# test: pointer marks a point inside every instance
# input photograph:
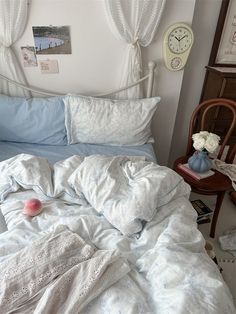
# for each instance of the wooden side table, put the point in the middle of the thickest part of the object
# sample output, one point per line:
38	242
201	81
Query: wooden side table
216	184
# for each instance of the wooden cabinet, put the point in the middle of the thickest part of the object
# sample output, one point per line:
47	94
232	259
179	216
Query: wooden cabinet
220	82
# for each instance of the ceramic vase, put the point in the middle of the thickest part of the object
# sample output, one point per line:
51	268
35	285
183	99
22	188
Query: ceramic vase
200	162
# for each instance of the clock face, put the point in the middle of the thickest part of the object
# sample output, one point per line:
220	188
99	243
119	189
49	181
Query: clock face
180	40
176	63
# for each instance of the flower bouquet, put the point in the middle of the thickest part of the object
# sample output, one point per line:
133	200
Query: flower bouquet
204	142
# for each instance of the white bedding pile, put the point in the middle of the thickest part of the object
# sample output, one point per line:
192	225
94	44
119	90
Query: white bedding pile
169	270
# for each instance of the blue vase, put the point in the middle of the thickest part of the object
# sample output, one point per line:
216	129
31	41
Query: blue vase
200	162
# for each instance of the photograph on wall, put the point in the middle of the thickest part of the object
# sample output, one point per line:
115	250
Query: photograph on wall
226	53
52	39
29	56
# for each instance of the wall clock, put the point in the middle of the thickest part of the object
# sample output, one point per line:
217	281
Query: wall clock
177	44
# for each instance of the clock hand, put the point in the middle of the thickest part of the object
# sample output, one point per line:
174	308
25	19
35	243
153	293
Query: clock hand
177	38
183	37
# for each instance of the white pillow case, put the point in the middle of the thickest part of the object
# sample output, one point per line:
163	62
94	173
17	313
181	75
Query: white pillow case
106	121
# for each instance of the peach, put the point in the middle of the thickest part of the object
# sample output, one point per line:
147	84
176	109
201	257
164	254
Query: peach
32	207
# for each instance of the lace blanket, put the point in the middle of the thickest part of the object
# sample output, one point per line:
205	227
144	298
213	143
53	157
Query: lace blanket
227	169
58	273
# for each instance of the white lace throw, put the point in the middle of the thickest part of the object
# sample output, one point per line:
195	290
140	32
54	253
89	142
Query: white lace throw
227	169
135	22
13	18
58	273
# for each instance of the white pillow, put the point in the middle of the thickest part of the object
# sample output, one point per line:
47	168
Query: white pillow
106	121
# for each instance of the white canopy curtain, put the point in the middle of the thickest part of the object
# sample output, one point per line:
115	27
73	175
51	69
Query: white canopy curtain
13	18
136	22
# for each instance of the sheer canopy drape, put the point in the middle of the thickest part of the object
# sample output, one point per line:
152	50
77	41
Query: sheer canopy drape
136	22
13	18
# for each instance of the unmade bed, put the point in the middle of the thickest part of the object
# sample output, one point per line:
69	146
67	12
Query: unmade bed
116	234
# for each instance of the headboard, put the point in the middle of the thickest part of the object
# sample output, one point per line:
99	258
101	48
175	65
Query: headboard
149	78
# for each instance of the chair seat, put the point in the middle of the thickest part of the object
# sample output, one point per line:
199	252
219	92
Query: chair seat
208	186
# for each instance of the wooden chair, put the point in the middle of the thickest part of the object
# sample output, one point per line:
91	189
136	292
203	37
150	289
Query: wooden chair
208	117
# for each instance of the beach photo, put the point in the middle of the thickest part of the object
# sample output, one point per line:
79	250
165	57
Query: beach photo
52	39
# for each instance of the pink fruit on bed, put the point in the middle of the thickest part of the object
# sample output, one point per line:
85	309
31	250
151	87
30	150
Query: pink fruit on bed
32	207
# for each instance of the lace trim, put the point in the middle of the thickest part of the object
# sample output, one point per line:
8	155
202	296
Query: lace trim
45	278
40	257
99	266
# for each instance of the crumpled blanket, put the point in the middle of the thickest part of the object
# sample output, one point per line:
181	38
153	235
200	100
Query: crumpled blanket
170	269
115	186
58	273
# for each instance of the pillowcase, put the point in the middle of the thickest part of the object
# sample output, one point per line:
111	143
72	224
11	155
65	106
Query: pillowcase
106	121
32	120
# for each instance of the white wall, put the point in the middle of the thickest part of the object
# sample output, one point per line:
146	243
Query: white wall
97	56
204	25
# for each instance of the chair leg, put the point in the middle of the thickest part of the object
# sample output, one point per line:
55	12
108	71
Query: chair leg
219	200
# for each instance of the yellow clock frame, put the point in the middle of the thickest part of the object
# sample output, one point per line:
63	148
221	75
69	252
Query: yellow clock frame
175	57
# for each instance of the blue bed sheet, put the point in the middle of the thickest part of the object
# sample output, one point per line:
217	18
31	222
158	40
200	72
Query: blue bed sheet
56	153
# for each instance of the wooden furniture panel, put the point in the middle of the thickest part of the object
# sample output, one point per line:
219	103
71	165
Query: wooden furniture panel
228	89
219	82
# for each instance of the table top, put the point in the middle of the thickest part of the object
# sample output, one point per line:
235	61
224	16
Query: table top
210	185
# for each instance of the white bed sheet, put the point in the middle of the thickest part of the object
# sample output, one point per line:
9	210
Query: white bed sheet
170	270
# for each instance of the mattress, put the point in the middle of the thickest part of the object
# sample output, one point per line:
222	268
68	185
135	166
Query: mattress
56	153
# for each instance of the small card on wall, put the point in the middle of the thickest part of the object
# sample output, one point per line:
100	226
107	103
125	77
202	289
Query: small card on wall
48	66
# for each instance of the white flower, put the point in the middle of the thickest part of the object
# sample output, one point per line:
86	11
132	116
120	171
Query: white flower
205	140
212	142
199	143
204	134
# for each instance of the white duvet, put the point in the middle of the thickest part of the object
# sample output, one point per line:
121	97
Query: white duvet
124	205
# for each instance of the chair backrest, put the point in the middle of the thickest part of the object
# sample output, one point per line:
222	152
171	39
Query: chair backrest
210	115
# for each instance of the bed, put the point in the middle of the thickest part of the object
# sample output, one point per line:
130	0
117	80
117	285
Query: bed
116	234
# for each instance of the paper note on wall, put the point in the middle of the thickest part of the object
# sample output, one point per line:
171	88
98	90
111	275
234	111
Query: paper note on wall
49	66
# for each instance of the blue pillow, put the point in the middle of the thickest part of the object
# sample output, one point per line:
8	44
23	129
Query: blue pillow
32	120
